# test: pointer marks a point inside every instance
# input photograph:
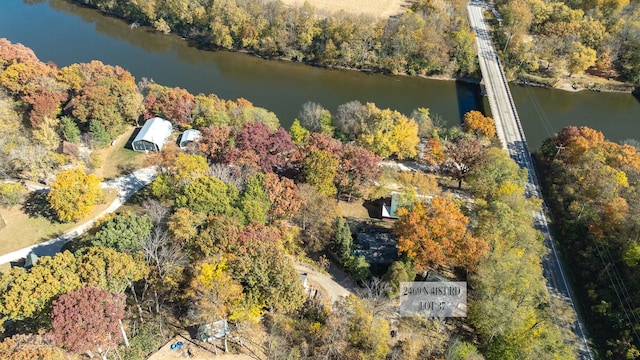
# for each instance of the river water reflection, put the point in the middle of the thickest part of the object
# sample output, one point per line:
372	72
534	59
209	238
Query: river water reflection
64	33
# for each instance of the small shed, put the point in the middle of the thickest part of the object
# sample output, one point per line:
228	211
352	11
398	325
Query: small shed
153	135
215	330
189	136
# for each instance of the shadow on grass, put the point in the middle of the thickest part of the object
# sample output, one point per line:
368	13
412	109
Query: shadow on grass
35	204
126	169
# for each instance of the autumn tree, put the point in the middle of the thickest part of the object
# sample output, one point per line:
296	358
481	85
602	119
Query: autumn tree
73	194
283	195
357	169
214	292
479	124
460	157
27	295
320	169
435	233
110	270
174	104
87	320
264	270
30	346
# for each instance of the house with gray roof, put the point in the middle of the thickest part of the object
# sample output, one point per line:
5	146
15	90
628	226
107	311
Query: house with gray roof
153	135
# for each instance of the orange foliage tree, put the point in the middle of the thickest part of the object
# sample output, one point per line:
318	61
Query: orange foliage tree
479	124
435	233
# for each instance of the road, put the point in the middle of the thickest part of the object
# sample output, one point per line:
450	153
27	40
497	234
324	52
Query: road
510	132
126	185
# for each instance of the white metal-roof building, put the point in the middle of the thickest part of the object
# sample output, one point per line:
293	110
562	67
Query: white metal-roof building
153	135
188	136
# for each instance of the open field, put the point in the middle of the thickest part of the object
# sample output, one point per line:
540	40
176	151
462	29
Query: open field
23	230
375	8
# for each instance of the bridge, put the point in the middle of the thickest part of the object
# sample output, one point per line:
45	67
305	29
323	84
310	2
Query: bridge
511	135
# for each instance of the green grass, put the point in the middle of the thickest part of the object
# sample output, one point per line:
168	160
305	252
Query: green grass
23	230
118	160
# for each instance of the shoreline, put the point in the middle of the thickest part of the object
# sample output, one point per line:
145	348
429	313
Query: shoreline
602	85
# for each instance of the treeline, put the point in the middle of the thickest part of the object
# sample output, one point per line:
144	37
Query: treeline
511	310
432	38
592	186
559	38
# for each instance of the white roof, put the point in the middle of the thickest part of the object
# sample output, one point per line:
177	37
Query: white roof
155	130
189	135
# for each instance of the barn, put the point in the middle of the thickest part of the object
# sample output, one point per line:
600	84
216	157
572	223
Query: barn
153	135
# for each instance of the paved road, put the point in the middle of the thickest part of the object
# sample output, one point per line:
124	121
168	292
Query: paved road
126	185
513	140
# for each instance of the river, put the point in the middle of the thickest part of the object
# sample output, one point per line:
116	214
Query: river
64	33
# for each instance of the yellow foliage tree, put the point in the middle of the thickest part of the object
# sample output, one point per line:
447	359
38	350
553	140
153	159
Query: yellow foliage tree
73	194
479	124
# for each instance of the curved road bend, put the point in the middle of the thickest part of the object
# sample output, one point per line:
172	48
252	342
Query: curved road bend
513	140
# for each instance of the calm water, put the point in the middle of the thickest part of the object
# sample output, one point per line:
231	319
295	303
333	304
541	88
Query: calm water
64	33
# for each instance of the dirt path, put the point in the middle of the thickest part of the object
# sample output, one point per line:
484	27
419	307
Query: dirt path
336	283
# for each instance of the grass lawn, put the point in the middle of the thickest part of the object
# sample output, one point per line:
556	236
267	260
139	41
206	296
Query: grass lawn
354	209
22	230
117	159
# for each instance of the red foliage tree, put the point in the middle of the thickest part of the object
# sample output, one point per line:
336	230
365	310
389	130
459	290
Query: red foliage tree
357	167
269	149
214	141
87	320
174	104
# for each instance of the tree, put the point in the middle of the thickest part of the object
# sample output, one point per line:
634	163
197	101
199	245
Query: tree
73	194
283	195
398	272
298	133
110	270
435	233
183	224
499	176
581	58
254	202
31	346
208	194
460	157
316	217
316	118
342	239
479	124
425	125
264	270
358	168
27	295
320	169
87	320
124	232
214	291
69	130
